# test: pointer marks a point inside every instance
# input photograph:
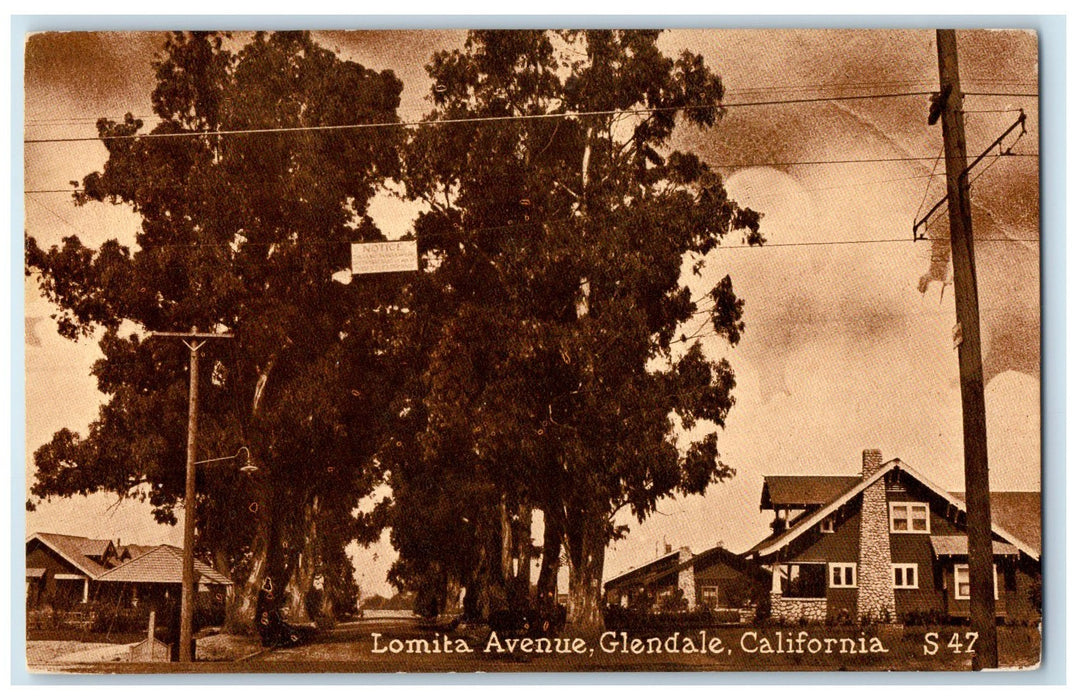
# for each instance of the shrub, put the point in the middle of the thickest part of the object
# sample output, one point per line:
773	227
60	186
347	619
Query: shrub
924	618
628	620
112	617
762	611
842	617
1035	595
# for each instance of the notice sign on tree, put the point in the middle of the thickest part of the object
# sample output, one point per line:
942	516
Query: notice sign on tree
384	256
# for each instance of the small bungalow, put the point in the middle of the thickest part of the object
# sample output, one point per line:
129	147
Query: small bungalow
715	579
652	585
889	545
157	575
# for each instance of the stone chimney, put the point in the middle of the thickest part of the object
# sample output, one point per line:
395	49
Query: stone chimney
872	460
875	586
686	577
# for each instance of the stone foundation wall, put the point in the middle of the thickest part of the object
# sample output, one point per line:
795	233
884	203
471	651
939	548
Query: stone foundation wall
797	609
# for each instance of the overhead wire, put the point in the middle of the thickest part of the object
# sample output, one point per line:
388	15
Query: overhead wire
495	118
745	164
50	210
90	119
927	186
848	161
1003	152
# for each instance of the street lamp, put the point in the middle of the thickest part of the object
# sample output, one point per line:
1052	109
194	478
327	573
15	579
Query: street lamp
249	467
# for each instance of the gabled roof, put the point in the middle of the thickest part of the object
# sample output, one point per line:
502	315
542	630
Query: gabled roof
70	548
162	564
133	550
803	491
94	548
720	554
670	563
656	568
774	543
1019	513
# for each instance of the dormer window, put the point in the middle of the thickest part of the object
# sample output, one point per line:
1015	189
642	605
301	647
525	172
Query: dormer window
909	517
827	524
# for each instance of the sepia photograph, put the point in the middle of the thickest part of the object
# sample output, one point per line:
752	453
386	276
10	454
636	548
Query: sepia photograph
532	351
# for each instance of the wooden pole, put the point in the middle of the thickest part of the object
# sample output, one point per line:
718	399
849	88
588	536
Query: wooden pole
186	641
187	585
149	632
970	362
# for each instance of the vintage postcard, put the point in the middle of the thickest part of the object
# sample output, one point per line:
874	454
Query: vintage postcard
532	351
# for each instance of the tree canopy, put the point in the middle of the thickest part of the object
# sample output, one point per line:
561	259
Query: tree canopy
240	233
539	361
547	326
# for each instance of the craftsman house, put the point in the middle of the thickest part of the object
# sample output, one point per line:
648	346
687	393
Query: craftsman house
65	572
715	579
889	545
61	568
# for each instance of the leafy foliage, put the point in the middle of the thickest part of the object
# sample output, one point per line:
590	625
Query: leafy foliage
244	233
555	232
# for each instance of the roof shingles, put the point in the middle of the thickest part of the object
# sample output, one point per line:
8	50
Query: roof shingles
163	564
71	548
801	491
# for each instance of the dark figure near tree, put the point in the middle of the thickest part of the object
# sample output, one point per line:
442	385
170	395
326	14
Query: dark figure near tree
273	628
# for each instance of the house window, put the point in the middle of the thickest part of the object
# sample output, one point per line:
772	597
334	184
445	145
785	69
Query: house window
803	580
709	597
905	576
827	524
909	517
961	581
842	575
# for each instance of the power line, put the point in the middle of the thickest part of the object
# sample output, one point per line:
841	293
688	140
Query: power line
479	120
746	164
857	241
58	216
927	186
88	119
1001	94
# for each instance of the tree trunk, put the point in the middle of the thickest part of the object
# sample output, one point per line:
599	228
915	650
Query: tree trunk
506	531
587	552
473	599
221	562
521	535
326	610
452	596
241	613
240	618
546	588
491	589
301	577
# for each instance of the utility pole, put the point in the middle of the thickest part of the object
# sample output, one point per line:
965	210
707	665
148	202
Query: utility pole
970	362
194	342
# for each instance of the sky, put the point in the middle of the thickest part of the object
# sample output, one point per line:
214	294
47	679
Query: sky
848	342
